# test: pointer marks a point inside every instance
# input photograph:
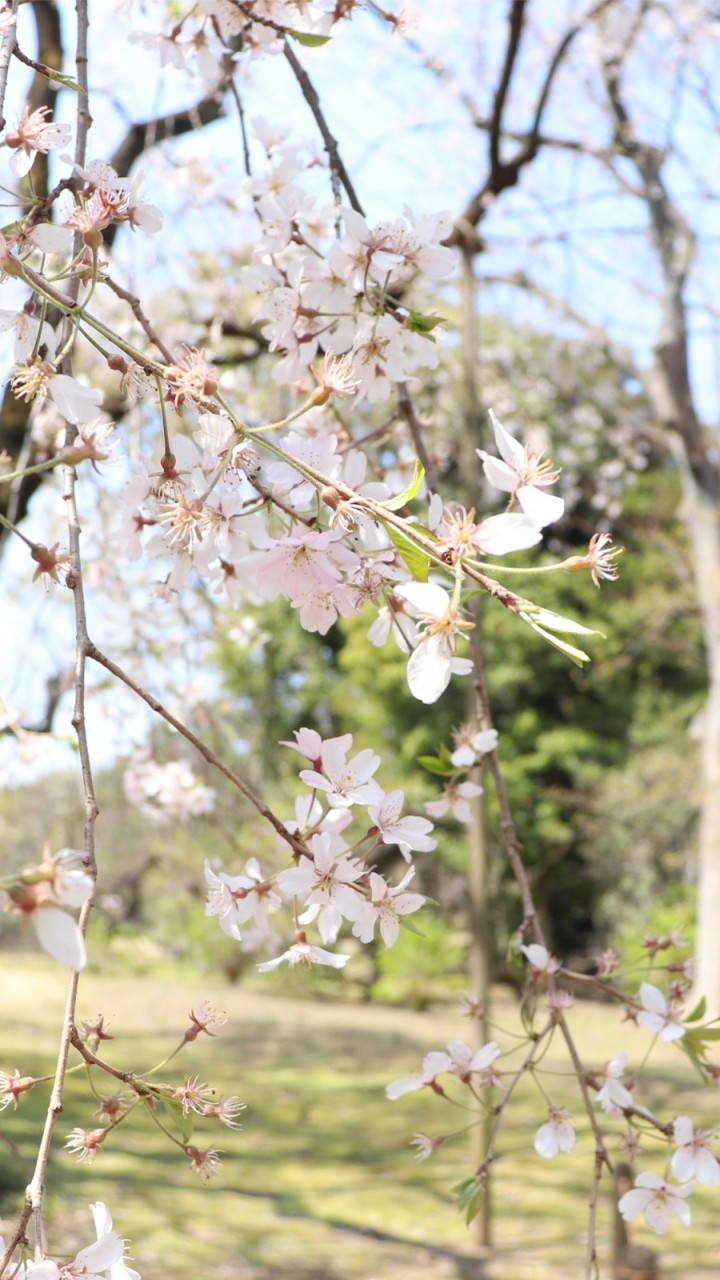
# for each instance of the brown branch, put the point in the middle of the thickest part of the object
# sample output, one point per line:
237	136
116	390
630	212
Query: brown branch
407	409
310	95
506	173
516	23
136	308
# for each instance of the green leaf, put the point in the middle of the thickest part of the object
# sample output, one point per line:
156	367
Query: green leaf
578	656
309	40
433	765
407	495
183	1123
698	1012
416	560
67	82
418	323
469	1194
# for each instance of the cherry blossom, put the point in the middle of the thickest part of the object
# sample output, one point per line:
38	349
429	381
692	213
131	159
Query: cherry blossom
658	1015
324	883
471	745
236	900
556	1135
433	1064
34	133
408	833
432	663
658	1200
693	1157
385	907
613	1095
523	475
165	791
303	952
459	1060
539	958
346	782
40	894
455	799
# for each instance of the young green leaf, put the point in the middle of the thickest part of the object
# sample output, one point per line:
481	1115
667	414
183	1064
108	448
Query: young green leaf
407	495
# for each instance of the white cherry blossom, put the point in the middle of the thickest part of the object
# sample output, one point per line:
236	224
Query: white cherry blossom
408	832
658	1015
346	782
556	1135
455	799
384	908
693	1157
433	662
523	475
303	952
613	1096
658	1201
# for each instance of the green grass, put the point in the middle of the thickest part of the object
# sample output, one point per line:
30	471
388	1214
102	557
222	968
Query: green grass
320	1184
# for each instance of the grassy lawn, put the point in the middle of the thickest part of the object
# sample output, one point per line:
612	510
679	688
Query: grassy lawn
320	1184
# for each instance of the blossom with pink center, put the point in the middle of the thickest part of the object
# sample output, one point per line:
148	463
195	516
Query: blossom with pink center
658	1200
384	908
464	1063
556	1135
693	1157
236	900
407	833
40	894
85	1143
226	1111
658	1015
523	475
345	782
312	561
324	883
203	1162
34	133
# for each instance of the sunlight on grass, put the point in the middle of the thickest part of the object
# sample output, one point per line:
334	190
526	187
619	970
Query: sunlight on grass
320	1182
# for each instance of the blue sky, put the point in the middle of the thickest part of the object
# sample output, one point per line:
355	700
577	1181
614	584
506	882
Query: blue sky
406	140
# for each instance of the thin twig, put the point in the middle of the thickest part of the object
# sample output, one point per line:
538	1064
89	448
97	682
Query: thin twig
93	652
311	97
136	308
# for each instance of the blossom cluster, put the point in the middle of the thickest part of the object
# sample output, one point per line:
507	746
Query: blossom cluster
692	1160
330	882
